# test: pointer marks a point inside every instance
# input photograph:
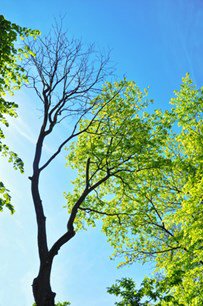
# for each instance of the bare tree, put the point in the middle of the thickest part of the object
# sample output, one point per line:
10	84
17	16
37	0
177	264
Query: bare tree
66	77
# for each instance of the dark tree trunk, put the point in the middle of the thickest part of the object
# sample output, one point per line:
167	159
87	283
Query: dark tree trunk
42	292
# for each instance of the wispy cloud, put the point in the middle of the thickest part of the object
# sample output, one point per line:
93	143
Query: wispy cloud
24	130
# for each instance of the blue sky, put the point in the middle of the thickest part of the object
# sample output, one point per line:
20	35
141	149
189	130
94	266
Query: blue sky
154	43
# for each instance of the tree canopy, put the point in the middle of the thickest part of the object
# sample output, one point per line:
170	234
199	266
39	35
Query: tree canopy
12	75
142	173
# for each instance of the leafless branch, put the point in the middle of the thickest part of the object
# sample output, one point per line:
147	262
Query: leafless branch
74	133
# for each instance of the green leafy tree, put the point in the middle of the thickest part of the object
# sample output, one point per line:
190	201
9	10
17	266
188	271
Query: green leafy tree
12	76
184	267
143	178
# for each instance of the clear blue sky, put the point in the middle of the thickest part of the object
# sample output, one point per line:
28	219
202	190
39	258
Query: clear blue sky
154	42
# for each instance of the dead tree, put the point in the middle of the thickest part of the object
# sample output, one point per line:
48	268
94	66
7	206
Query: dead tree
66	77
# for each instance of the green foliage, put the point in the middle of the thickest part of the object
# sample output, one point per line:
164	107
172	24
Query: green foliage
11	78
184	267
141	175
120	146
125	289
150	291
11	72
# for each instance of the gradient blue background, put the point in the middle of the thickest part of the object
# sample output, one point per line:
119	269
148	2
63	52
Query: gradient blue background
154	43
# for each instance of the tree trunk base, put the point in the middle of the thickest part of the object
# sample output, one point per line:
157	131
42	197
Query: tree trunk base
42	293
